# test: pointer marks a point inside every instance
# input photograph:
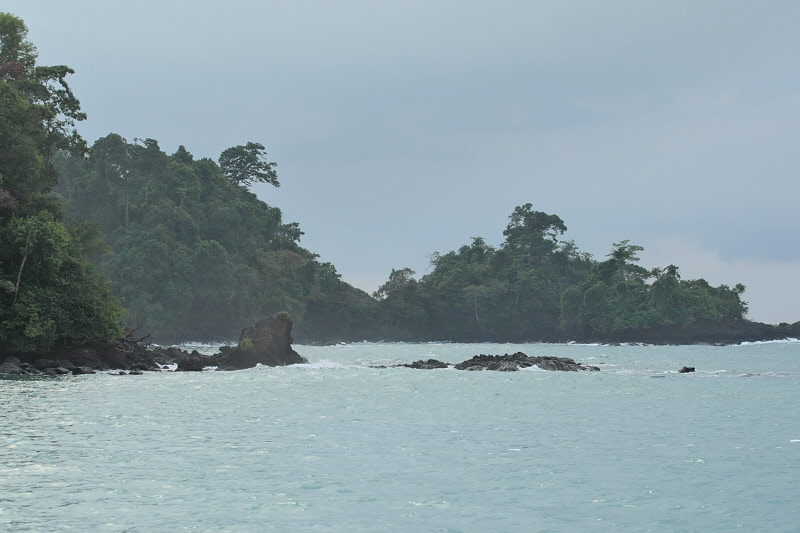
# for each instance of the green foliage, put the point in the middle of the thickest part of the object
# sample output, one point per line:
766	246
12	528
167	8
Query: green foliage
51	294
283	316
196	255
536	287
246	344
245	165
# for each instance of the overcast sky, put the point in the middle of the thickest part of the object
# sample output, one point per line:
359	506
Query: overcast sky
408	127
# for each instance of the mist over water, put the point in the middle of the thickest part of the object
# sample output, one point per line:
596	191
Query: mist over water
337	446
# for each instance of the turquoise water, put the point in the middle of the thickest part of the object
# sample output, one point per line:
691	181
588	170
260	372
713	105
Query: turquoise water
336	446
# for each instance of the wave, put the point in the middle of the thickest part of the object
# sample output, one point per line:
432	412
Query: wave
777	341
533	368
324	363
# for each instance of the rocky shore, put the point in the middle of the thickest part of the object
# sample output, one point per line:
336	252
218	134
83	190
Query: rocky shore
269	343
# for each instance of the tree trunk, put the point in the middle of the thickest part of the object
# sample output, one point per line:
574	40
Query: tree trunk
21	266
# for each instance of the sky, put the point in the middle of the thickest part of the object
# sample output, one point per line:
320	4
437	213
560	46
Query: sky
400	129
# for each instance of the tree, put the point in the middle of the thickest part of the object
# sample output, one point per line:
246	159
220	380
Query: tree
51	293
533	231
245	165
14	46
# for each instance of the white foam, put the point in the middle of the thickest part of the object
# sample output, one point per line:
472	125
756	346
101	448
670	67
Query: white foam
202	345
778	341
573	343
533	368
325	363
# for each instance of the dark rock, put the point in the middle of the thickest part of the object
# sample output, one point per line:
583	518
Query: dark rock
41	364
12	369
269	343
194	362
29	369
56	371
87	357
78	370
686	369
516	361
135	373
426	365
715	332
563	364
167	356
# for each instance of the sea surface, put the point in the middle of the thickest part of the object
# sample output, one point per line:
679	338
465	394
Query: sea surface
335	445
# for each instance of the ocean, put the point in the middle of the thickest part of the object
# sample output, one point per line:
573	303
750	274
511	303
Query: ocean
335	445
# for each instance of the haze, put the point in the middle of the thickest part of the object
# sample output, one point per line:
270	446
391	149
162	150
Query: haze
407	128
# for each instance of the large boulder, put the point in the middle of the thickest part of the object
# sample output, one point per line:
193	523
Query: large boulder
193	362
269	343
11	367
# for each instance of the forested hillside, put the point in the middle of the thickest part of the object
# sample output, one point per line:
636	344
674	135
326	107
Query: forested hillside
49	292
537	287
193	253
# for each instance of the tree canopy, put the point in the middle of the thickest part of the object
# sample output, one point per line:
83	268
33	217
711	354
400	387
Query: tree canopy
49	292
245	165
536	287
196	255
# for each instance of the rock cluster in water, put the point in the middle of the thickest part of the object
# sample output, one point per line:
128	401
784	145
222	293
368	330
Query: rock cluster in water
506	363
268	343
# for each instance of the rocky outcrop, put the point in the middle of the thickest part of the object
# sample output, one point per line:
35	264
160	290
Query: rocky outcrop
11	367
125	354
686	369
268	343
193	362
426	365
517	361
504	363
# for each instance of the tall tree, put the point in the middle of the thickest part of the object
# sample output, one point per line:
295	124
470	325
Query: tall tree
245	165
